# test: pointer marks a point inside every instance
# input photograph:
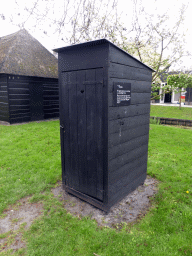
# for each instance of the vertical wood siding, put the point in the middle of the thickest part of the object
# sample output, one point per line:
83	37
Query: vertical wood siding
82	119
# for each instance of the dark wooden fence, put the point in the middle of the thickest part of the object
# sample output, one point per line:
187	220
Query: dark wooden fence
173	121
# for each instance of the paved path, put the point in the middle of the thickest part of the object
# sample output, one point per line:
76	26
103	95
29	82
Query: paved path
171	105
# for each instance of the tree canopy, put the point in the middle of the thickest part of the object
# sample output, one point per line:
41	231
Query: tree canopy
153	38
178	82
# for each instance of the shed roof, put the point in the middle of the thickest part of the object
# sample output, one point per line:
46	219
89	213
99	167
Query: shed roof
97	42
22	54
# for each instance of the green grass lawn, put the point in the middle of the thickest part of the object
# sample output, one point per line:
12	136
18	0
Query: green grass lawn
171	112
29	160
30	164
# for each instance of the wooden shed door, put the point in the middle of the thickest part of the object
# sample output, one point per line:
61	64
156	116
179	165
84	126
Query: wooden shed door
36	101
82	119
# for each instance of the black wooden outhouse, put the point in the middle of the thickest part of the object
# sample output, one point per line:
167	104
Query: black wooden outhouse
104	118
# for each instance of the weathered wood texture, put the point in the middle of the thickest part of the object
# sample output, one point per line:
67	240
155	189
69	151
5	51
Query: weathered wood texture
126	112
128	135
126	147
31	98
4	102
128	187
120	167
127	179
120	125
121	71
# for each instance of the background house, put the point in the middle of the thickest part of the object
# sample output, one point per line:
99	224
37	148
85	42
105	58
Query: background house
174	96
28	79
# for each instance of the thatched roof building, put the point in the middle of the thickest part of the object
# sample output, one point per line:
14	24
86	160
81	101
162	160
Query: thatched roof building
22	54
28	79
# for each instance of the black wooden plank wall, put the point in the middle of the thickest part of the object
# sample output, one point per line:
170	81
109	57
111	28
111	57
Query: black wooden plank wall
128	126
20	98
4	103
83	58
188	96
51	98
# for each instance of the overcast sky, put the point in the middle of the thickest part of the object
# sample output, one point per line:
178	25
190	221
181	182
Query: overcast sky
10	9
